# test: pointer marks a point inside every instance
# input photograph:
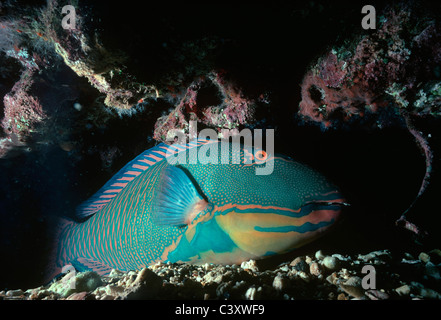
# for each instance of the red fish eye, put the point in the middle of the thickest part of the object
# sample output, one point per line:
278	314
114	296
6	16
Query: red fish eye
261	155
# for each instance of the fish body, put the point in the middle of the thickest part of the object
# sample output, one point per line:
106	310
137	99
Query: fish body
199	212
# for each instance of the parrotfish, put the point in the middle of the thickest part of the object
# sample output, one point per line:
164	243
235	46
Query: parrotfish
198	212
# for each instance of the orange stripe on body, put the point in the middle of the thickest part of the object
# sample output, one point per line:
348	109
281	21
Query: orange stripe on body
119	184
160	152
155	157
108	196
126	178
112	191
147	161
101	201
135	173
180	148
137	166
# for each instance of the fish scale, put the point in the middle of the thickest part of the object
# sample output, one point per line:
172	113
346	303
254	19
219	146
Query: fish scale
197	213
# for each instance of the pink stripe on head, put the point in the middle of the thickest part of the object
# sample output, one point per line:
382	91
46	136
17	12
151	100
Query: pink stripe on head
327	194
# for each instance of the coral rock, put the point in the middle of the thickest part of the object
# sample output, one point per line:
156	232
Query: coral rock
229	110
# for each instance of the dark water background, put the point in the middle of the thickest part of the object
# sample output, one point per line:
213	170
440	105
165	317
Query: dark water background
379	171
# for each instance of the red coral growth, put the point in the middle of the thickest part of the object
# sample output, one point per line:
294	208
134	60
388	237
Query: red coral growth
232	111
382	68
332	71
22	111
393	67
321	102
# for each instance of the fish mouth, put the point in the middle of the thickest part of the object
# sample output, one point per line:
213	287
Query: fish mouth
341	203
331	198
328	209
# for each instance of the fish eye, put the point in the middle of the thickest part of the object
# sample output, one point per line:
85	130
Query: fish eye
261	155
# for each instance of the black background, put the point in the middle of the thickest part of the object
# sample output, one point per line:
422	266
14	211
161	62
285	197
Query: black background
379	171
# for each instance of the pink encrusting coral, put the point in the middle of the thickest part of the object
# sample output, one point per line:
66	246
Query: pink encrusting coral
396	67
232	111
22	110
320	102
382	69
22	114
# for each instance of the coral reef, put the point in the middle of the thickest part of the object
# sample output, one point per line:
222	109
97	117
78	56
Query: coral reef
42	45
394	69
87	57
224	108
23	112
43	49
381	70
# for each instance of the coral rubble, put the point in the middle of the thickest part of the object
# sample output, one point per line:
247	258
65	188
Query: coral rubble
313	276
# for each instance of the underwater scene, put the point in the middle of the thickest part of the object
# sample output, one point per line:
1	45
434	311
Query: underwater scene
220	151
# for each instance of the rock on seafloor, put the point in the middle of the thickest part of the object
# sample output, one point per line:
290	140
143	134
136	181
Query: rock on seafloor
84	281
318	276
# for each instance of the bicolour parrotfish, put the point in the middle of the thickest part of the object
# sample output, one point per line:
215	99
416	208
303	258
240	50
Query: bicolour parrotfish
199	212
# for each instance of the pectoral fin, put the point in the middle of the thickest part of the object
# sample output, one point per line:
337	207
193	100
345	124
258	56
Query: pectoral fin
177	201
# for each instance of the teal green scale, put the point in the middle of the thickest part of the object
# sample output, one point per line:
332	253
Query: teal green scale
162	207
121	235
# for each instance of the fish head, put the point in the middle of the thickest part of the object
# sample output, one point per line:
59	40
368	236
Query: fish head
230	211
281	211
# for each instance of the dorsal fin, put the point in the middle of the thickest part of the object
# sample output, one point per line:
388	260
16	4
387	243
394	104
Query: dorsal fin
129	173
121	179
